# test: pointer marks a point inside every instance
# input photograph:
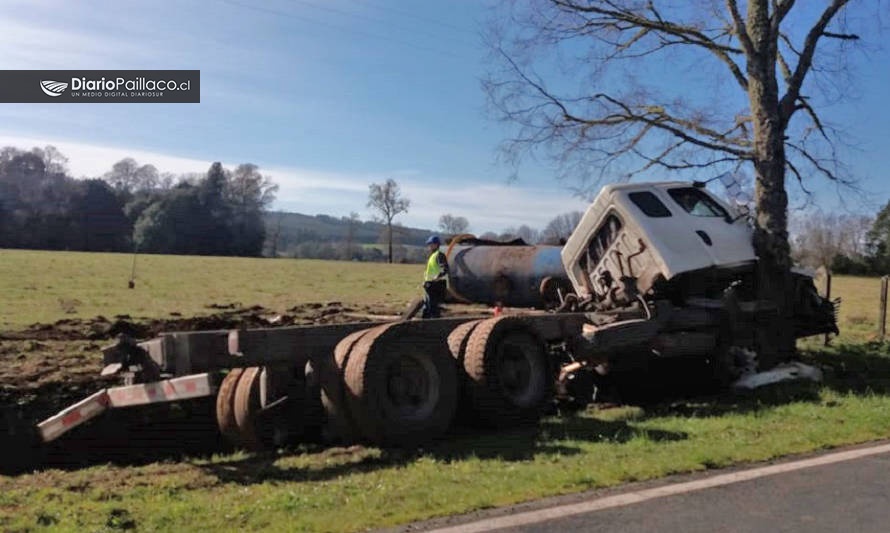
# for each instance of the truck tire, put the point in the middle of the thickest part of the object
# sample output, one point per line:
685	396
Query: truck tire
401	386
269	407
457	339
225	406
508	377
457	345
246	406
339	427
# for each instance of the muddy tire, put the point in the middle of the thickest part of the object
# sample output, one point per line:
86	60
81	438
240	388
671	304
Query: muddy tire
225	406
339	424
508	376
269	407
457	346
457	339
402	386
246	407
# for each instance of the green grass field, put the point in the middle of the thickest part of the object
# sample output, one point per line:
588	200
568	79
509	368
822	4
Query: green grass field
38	286
314	489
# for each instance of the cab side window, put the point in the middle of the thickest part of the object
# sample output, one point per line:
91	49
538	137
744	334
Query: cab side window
649	204
697	203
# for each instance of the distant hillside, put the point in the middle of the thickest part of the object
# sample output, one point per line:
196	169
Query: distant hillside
296	229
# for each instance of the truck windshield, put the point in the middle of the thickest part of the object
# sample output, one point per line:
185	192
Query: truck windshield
697	203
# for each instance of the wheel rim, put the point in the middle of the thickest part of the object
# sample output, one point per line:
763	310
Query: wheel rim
519	368
412	389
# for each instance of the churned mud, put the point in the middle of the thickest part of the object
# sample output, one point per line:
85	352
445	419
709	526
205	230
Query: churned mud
47	367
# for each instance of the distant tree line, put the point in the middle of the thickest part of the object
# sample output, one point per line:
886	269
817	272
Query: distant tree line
224	212
345	238
555	233
847	244
132	206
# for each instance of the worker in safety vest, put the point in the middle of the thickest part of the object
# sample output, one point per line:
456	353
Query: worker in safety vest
435	278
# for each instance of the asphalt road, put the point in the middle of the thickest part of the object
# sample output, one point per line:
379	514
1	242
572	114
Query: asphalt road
847	496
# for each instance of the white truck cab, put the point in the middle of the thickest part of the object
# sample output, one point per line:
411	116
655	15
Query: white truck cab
652	231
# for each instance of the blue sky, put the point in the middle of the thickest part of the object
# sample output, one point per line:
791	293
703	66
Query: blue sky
326	96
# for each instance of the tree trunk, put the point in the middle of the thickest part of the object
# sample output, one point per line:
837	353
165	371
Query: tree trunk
389	238
771	228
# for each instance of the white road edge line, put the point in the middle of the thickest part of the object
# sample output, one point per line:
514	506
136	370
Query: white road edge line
630	498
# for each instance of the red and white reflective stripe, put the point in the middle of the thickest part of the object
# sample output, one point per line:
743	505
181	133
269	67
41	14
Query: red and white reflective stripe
170	390
71	417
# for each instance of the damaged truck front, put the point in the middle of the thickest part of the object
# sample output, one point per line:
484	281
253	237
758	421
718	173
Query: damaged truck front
669	270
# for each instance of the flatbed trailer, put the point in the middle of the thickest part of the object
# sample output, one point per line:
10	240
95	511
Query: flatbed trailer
398	382
386	382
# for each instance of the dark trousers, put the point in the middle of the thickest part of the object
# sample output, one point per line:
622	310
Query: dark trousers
434	294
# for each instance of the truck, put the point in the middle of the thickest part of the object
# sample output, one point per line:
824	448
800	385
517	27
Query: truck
653	273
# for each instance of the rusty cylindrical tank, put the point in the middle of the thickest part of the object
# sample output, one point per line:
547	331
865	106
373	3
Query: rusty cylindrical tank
509	275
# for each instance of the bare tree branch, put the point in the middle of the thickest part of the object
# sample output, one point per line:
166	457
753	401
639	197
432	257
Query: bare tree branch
787	103
780	11
739	28
841	36
817	164
813	116
623	127
623	18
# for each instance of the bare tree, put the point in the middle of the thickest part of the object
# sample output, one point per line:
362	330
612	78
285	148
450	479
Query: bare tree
819	237
166	181
386	199
274	237
127	175
55	161
528	234
558	230
249	189
524	232
453	225
508	234
750	65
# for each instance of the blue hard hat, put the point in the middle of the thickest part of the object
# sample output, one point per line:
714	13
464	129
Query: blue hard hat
434	239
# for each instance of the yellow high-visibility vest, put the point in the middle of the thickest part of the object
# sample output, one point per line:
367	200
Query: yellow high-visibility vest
432	267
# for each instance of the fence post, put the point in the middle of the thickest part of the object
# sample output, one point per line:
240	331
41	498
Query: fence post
882	314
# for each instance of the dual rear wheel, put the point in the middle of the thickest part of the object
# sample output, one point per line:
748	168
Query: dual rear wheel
399	385
396	384
507	379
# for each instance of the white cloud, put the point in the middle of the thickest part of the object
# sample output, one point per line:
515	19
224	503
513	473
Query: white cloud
28	46
488	204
